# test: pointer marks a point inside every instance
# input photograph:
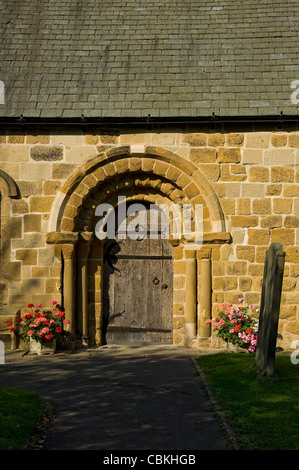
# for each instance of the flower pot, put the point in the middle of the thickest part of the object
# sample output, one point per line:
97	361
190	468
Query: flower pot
42	348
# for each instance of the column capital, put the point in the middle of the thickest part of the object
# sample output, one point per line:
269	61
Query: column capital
68	251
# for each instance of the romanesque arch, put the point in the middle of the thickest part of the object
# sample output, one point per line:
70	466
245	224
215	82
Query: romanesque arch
146	173
158	168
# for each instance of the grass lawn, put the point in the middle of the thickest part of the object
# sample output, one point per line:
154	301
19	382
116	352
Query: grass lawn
263	412
20	413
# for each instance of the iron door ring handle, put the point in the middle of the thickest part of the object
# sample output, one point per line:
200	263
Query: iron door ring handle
156	281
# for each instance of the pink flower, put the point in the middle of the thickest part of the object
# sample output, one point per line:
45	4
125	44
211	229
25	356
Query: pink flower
67	322
251	306
241	299
53	302
30	332
207	321
39	305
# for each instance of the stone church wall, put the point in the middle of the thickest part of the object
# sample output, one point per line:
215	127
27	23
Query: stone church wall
253	170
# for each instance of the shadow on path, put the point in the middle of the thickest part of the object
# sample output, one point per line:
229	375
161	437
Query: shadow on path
120	397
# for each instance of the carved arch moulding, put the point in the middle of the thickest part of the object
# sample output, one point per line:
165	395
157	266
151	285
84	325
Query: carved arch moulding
147	172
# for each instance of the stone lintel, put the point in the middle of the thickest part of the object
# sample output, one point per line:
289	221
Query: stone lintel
208	238
55	238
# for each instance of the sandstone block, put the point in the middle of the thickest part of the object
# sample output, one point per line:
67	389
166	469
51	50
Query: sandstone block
35	171
261	254
12	228
14	153
245	284
30	188
271	221
258	173
282	174
279	140
62	170
216	140
38	139
194	140
11	270
252	189
291	190
294	140
288	312
113	139
179	267
283	236
289	284
236	268
46	256
282	205
17	138
246	252
244	221
261	206
31	286
19	206
273	189
232	189
231	174
38	271
91	139
73	137
211	171
32	223
256	269
224	283
51	187
259	140
27	256
229	155
252	156
41	203
292	254
282	156
291	221
202	155
228	206
258	236
235	140
244	206
46	153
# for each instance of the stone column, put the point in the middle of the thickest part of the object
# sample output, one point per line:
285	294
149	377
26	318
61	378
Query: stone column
85	240
204	329
191	298
69	303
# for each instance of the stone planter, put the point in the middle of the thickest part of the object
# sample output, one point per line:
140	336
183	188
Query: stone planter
42	348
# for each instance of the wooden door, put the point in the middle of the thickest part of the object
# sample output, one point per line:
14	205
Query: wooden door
138	288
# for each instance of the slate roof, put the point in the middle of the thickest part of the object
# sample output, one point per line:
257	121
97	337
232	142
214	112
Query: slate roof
131	58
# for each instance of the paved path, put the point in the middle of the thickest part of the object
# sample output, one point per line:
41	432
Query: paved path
120	397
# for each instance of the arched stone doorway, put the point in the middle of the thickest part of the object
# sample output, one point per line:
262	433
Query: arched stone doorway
147	174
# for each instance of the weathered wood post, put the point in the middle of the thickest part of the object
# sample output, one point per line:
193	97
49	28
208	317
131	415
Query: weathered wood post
269	308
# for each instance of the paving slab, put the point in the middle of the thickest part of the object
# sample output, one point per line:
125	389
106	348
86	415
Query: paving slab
121	397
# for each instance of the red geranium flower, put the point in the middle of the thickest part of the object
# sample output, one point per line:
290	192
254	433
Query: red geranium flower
30	305
237	327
